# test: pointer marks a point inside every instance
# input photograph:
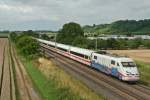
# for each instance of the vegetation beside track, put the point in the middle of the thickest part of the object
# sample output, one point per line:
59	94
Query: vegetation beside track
144	73
49	87
56	84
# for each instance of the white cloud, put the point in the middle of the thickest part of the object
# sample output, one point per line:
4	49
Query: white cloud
23	9
51	14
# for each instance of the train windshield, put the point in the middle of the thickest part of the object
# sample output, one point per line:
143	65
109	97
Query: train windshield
128	64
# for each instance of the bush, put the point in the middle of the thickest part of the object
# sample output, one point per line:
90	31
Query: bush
45	37
146	43
28	47
13	36
31	33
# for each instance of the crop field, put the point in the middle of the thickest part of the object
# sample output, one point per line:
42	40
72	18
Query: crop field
15	84
7	87
139	55
4	35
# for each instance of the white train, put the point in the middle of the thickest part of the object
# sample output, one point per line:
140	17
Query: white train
123	68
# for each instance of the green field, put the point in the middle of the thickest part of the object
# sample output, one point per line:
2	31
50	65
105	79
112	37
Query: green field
4	35
144	73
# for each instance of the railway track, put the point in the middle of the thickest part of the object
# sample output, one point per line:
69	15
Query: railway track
24	83
7	86
103	84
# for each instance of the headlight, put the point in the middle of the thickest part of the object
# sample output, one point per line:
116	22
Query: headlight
128	73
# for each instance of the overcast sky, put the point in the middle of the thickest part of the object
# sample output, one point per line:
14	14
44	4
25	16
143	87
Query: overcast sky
52	14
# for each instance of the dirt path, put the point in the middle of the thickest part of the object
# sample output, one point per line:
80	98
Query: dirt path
140	55
7	86
24	83
1	59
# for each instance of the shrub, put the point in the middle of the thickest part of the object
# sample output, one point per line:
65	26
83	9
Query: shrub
28	47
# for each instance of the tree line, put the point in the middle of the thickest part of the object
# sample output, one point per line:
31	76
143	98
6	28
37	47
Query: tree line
118	44
73	34
26	45
121	27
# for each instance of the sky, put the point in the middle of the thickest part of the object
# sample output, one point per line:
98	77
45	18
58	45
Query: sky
52	14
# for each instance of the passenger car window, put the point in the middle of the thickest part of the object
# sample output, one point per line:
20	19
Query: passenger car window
95	57
113	62
117	64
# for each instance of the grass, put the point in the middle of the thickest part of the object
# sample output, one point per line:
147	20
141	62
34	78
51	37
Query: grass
58	85
63	79
144	72
43	85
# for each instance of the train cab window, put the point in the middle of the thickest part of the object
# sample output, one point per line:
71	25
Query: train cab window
113	62
128	64
95	57
117	64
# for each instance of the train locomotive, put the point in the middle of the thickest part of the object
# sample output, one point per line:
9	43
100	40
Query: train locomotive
121	67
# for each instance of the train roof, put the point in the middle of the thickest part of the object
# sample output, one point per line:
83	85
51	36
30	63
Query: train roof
82	51
69	47
113	56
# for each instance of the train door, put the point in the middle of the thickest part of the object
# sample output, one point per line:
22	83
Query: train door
94	62
114	69
119	70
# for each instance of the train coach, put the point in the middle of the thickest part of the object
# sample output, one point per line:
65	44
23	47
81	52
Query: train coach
121	67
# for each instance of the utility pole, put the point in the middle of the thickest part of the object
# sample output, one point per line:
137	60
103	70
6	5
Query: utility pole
55	40
96	44
95	35
55	45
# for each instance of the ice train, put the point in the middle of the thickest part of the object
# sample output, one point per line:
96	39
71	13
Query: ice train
121	67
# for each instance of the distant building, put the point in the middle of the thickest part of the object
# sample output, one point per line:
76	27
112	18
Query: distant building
106	37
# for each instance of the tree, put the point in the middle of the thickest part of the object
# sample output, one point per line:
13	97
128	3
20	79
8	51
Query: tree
146	43
13	36
31	33
69	32
28	46
122	44
134	44
80	42
45	37
102	44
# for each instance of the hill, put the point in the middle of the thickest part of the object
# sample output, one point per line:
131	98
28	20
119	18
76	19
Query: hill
121	27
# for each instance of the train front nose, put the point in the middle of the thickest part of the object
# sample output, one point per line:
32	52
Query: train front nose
131	77
131	74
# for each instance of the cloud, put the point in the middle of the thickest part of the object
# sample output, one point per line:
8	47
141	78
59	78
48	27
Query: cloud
52	14
21	9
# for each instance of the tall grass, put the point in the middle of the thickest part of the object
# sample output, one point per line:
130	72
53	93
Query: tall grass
65	80
54	84
144	72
